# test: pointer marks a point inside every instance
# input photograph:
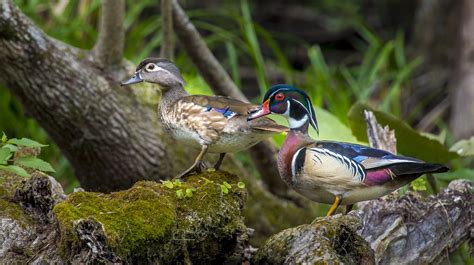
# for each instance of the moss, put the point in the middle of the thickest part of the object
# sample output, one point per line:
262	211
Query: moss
131	218
150	223
268	215
9	182
14	211
8	185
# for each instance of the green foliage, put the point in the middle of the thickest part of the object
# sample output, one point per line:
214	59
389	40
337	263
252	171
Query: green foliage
253	46
34	163
464	147
419	184
15	170
409	141
21	149
225	187
25	142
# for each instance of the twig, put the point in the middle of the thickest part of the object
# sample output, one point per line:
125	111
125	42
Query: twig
202	57
109	46
379	137
167	45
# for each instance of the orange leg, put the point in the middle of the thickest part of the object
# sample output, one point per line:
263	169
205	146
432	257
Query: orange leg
337	202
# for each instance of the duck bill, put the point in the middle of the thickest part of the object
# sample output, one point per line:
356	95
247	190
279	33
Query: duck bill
262	111
136	78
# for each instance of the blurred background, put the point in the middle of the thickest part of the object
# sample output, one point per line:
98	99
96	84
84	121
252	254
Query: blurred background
404	58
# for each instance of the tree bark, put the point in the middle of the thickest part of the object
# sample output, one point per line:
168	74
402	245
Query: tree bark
111	139
414	230
109	47
462	83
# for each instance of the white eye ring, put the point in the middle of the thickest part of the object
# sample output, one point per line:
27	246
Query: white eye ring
151	67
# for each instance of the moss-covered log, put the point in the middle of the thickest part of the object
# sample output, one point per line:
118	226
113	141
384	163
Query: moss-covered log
198	221
331	240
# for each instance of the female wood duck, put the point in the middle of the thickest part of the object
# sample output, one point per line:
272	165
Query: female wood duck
216	124
333	172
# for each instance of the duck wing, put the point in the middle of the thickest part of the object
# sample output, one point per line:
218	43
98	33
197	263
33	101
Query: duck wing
379	166
230	108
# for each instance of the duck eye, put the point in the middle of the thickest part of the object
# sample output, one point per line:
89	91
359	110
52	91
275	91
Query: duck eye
279	96
150	67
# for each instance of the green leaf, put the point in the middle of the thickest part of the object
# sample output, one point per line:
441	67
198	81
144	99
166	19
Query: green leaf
168	184
409	141
16	170
11	147
4	138
177	183
25	142
5	154
189	192
180	194
464	147
227	185
419	184
241	185
224	189
35	163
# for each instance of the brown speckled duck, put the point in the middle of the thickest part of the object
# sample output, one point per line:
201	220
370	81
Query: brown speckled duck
216	124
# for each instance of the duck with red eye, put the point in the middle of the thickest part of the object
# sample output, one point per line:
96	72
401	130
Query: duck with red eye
333	172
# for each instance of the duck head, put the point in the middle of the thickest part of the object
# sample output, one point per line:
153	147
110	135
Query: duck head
289	101
158	71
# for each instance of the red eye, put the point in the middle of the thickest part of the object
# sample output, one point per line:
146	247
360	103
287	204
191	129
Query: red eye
279	96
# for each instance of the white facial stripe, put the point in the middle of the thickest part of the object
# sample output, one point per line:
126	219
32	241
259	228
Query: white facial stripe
287	112
279	90
162	69
297	123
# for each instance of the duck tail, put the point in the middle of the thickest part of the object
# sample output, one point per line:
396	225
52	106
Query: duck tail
418	168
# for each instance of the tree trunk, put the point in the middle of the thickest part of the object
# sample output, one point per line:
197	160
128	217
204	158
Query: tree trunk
462	83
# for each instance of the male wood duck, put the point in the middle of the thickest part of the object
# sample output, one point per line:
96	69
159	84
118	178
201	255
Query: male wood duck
333	172
216	124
